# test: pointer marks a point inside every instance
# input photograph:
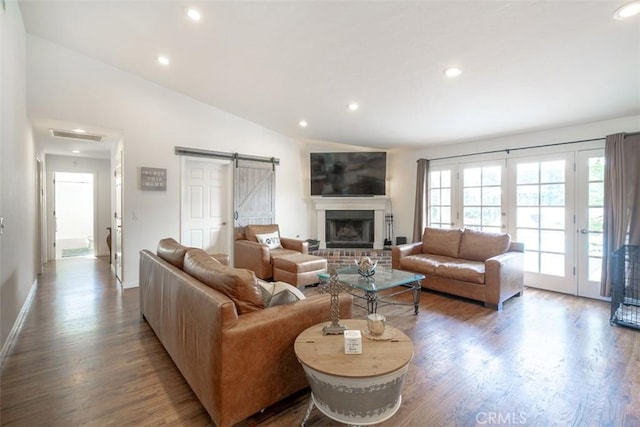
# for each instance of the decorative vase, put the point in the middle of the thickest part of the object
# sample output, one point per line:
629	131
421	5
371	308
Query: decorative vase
366	268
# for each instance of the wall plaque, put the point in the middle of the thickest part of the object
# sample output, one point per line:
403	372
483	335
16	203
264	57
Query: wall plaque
153	179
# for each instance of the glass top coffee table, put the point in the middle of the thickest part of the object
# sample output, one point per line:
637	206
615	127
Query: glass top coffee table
385	278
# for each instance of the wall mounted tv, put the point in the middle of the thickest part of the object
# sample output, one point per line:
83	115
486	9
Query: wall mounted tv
348	174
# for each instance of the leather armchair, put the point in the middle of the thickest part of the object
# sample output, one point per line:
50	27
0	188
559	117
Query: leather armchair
257	257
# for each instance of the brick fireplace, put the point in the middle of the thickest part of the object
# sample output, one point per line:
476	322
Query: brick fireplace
350	221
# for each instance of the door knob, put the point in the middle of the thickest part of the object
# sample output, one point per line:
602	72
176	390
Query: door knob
583	231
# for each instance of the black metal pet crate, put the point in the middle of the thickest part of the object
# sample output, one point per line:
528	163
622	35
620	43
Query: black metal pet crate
625	287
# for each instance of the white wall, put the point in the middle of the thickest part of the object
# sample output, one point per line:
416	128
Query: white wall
402	175
102	177
67	86
18	248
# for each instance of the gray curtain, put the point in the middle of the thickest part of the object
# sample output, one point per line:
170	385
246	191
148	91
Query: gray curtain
621	199
422	203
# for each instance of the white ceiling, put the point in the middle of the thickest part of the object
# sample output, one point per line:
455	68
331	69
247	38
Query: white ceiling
527	65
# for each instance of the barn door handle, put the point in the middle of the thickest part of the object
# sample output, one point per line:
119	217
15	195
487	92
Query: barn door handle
235	215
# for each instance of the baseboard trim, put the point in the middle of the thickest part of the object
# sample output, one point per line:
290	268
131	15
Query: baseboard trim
17	326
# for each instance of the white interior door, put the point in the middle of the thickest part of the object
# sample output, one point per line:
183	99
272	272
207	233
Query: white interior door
205	205
590	215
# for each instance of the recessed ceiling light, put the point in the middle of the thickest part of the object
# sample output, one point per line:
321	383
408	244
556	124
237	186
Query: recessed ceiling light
194	14
163	60
75	151
452	72
78	130
303	123
353	106
627	10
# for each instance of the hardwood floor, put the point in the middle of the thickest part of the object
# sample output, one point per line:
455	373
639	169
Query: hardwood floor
84	357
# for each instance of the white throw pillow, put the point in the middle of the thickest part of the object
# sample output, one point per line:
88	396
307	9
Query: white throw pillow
270	239
278	293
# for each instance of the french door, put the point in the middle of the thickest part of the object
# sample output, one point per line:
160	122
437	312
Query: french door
542	217
589	222
550	202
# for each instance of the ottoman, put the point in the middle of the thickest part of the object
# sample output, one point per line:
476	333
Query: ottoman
298	269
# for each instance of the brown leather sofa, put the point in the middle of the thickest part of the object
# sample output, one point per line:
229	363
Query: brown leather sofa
486	267
257	257
236	356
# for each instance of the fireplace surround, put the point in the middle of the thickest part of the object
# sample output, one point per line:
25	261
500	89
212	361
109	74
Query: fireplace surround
377	204
349	228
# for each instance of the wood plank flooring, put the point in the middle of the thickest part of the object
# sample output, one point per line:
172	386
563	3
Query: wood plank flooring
84	357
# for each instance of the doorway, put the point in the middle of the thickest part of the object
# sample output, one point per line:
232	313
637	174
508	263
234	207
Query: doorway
74	214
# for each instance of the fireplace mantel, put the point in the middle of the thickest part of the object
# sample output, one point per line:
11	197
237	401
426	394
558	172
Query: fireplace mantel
378	204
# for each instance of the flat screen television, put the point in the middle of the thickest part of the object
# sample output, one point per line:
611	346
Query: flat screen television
348	174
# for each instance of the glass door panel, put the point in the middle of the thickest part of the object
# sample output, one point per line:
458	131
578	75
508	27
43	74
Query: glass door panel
541	199
590	169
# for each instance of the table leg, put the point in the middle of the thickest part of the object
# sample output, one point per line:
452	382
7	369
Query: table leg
417	288
309	409
372	301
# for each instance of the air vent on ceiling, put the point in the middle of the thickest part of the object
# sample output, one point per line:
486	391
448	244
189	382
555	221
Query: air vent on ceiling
76	135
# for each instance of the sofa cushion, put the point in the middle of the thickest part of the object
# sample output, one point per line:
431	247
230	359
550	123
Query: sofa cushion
250	231
172	252
239	284
466	271
481	245
441	241
279	252
423	263
279	293
272	240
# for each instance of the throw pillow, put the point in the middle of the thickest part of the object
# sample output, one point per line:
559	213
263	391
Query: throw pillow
272	240
279	293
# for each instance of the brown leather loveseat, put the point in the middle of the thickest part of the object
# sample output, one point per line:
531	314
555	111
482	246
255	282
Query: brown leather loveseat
236	356
483	266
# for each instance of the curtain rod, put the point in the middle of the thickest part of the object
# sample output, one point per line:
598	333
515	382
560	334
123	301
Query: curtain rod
508	150
184	151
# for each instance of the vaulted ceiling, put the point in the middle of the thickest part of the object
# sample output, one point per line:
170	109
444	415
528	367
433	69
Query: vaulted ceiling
526	65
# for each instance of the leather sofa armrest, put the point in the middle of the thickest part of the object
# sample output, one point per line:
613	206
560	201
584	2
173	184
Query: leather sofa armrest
301	246
252	256
259	350
222	258
400	251
504	277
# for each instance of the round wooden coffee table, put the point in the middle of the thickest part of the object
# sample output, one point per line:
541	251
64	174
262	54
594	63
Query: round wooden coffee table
355	389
